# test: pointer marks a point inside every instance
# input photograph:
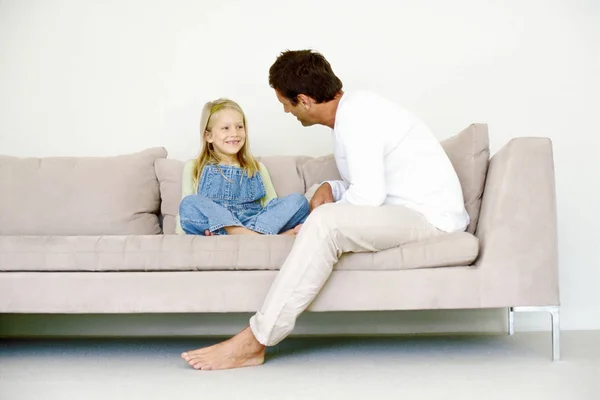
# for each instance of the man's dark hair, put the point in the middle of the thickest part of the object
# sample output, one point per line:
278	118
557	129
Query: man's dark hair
304	72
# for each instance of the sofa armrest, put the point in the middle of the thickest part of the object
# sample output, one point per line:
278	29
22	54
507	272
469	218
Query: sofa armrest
517	226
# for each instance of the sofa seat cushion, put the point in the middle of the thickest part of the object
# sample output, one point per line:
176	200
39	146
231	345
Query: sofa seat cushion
189	253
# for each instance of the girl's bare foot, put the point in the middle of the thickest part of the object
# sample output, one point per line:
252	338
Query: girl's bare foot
239	230
293	231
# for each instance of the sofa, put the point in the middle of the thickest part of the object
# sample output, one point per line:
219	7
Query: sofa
97	235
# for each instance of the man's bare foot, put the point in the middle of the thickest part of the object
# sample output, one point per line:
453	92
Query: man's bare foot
293	231
242	350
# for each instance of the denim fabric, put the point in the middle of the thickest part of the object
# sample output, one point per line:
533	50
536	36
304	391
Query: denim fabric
227	196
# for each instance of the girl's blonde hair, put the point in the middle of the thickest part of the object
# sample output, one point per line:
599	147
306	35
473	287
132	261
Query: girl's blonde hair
207	154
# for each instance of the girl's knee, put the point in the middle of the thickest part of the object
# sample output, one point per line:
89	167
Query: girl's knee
186	204
192	207
299	200
191	202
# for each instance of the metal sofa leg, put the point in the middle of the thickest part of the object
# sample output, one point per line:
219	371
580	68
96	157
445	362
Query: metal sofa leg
555	334
554	313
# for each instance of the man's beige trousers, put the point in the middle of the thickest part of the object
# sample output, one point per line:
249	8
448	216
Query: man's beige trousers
330	231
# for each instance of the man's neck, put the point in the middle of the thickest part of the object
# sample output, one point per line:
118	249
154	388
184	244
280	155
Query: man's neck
329	109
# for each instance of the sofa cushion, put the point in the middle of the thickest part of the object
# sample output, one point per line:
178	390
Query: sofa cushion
285	172
468	151
190	252
319	169
116	195
169	173
449	250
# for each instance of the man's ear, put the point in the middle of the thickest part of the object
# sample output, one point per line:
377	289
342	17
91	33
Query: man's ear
305	101
208	136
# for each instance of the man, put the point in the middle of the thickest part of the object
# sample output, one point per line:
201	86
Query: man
398	186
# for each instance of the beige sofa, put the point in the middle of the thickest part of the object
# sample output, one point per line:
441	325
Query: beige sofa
97	235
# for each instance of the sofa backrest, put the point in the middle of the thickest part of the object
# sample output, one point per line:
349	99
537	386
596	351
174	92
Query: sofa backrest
468	151
116	195
169	173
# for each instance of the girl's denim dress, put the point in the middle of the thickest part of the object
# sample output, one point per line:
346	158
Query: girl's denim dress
227	196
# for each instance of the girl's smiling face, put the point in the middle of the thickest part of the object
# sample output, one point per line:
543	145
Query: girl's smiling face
227	133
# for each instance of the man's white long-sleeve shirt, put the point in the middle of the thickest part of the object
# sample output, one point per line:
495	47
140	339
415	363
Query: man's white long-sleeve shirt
386	155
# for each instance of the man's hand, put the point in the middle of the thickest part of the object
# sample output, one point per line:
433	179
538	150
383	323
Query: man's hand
323	195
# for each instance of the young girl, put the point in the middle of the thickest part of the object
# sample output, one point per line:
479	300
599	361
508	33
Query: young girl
226	190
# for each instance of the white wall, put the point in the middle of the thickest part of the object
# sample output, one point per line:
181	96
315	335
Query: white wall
108	77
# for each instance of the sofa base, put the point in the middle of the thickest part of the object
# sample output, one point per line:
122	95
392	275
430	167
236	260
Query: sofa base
444	288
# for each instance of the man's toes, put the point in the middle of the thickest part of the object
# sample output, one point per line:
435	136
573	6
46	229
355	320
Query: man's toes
193	360
200	365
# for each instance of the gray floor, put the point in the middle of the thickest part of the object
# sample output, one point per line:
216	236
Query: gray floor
431	367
